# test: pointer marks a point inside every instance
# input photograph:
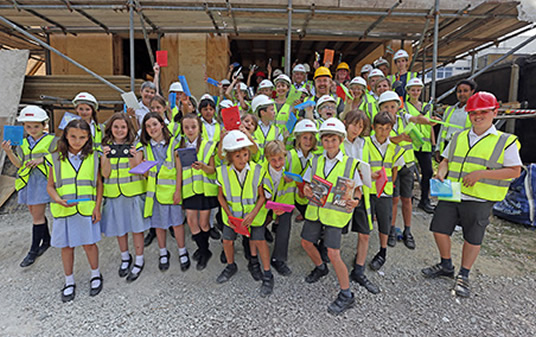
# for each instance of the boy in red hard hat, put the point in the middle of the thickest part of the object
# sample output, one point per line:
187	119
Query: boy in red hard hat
484	161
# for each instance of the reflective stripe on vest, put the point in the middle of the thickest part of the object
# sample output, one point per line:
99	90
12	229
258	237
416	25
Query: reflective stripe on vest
331	215
425	129
44	146
71	184
285	191
409	155
217	132
241	198
261	139
486	154
376	161
297	164
447	116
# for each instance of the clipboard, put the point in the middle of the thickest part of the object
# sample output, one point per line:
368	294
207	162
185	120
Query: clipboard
381	182
143	167
14	133
162	58
130	100
239	226
231	118
187	156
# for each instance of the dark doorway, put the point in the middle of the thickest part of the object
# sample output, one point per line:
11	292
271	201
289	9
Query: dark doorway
142	66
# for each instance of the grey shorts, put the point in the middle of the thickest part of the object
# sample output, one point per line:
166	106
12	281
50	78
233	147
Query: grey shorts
404	183
383	209
473	216
312	232
257	233
359	219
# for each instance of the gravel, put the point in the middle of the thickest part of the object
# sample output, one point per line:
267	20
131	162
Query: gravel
190	303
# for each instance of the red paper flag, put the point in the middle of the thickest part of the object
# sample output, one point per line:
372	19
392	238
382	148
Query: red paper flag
161	58
231	118
381	182
239	226
341	93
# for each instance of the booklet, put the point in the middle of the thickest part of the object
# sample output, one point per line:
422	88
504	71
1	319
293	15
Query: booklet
67	117
415	135
130	100
276	206
456	192
187	156
321	188
343	192
440	189
294	176
364	170
239	226
381	182
162	58
329	54
143	167
231	118
14	133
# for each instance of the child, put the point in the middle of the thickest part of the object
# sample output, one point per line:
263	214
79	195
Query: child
484	161
380	152
211	129
197	200
282	108
402	76
356	122
163	199
331	165
266	87
158	104
32	174
241	195
280	189
86	106
123	195
362	99
266	130
75	175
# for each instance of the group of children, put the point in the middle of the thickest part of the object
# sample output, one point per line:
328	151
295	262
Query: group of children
236	172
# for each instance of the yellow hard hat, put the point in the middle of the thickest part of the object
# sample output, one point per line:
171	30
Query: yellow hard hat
322	71
343	65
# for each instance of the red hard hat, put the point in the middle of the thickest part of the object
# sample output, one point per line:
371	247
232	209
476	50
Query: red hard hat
260	74
482	100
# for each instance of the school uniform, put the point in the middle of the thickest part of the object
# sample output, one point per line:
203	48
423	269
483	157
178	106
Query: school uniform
210	131
264	134
404	183
74	177
124	200
141	112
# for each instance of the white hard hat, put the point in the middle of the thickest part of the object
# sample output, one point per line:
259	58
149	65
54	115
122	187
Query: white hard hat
304	90
260	101
366	68
87	98
332	125
207	96
376	72
283	78
226	103
380	61
266	84
299	67
305	125
414	82
235	140
400	54
277	72
225	82
325	99
388	96
243	87
306	67
358	80
176	87
32	113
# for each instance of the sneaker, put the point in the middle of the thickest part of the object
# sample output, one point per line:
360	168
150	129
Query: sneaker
124	271
227	273
391	241
267	286
461	286
29	259
316	275
377	262
255	270
203	260
437	270
427	207
214	234
409	241
281	267
149	238
364	282
341	304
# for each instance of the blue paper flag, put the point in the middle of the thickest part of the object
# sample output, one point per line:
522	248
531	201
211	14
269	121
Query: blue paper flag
172	99
236	64
292	120
184	84
213	82
124	108
74	201
296	177
14	133
304	105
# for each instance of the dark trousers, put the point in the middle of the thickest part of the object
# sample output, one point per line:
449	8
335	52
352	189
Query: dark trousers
282	236
425	163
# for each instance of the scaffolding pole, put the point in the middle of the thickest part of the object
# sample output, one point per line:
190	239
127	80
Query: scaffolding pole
288	39
57	52
131	43
434	56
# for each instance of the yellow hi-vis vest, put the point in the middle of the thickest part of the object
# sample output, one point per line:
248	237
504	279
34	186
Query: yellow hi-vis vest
193	181
281	117
261	139
44	146
175	129
330	215
97	138
376	160
160	184
485	154
425	129
409	155
446	117
71	184
241	198
217	132
285	191
297	165
396	77
121	182
369	106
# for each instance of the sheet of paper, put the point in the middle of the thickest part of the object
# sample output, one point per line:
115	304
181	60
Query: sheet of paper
130	100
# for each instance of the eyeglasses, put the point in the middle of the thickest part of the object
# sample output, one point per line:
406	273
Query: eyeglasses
328	107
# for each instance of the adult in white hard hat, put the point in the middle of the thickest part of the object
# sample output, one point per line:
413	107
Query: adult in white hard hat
365	70
382	64
400	79
266	87
299	75
374	76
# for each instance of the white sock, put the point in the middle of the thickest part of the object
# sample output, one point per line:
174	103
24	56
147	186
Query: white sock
182	251
139	262
69	280
95	273
124	257
163	255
